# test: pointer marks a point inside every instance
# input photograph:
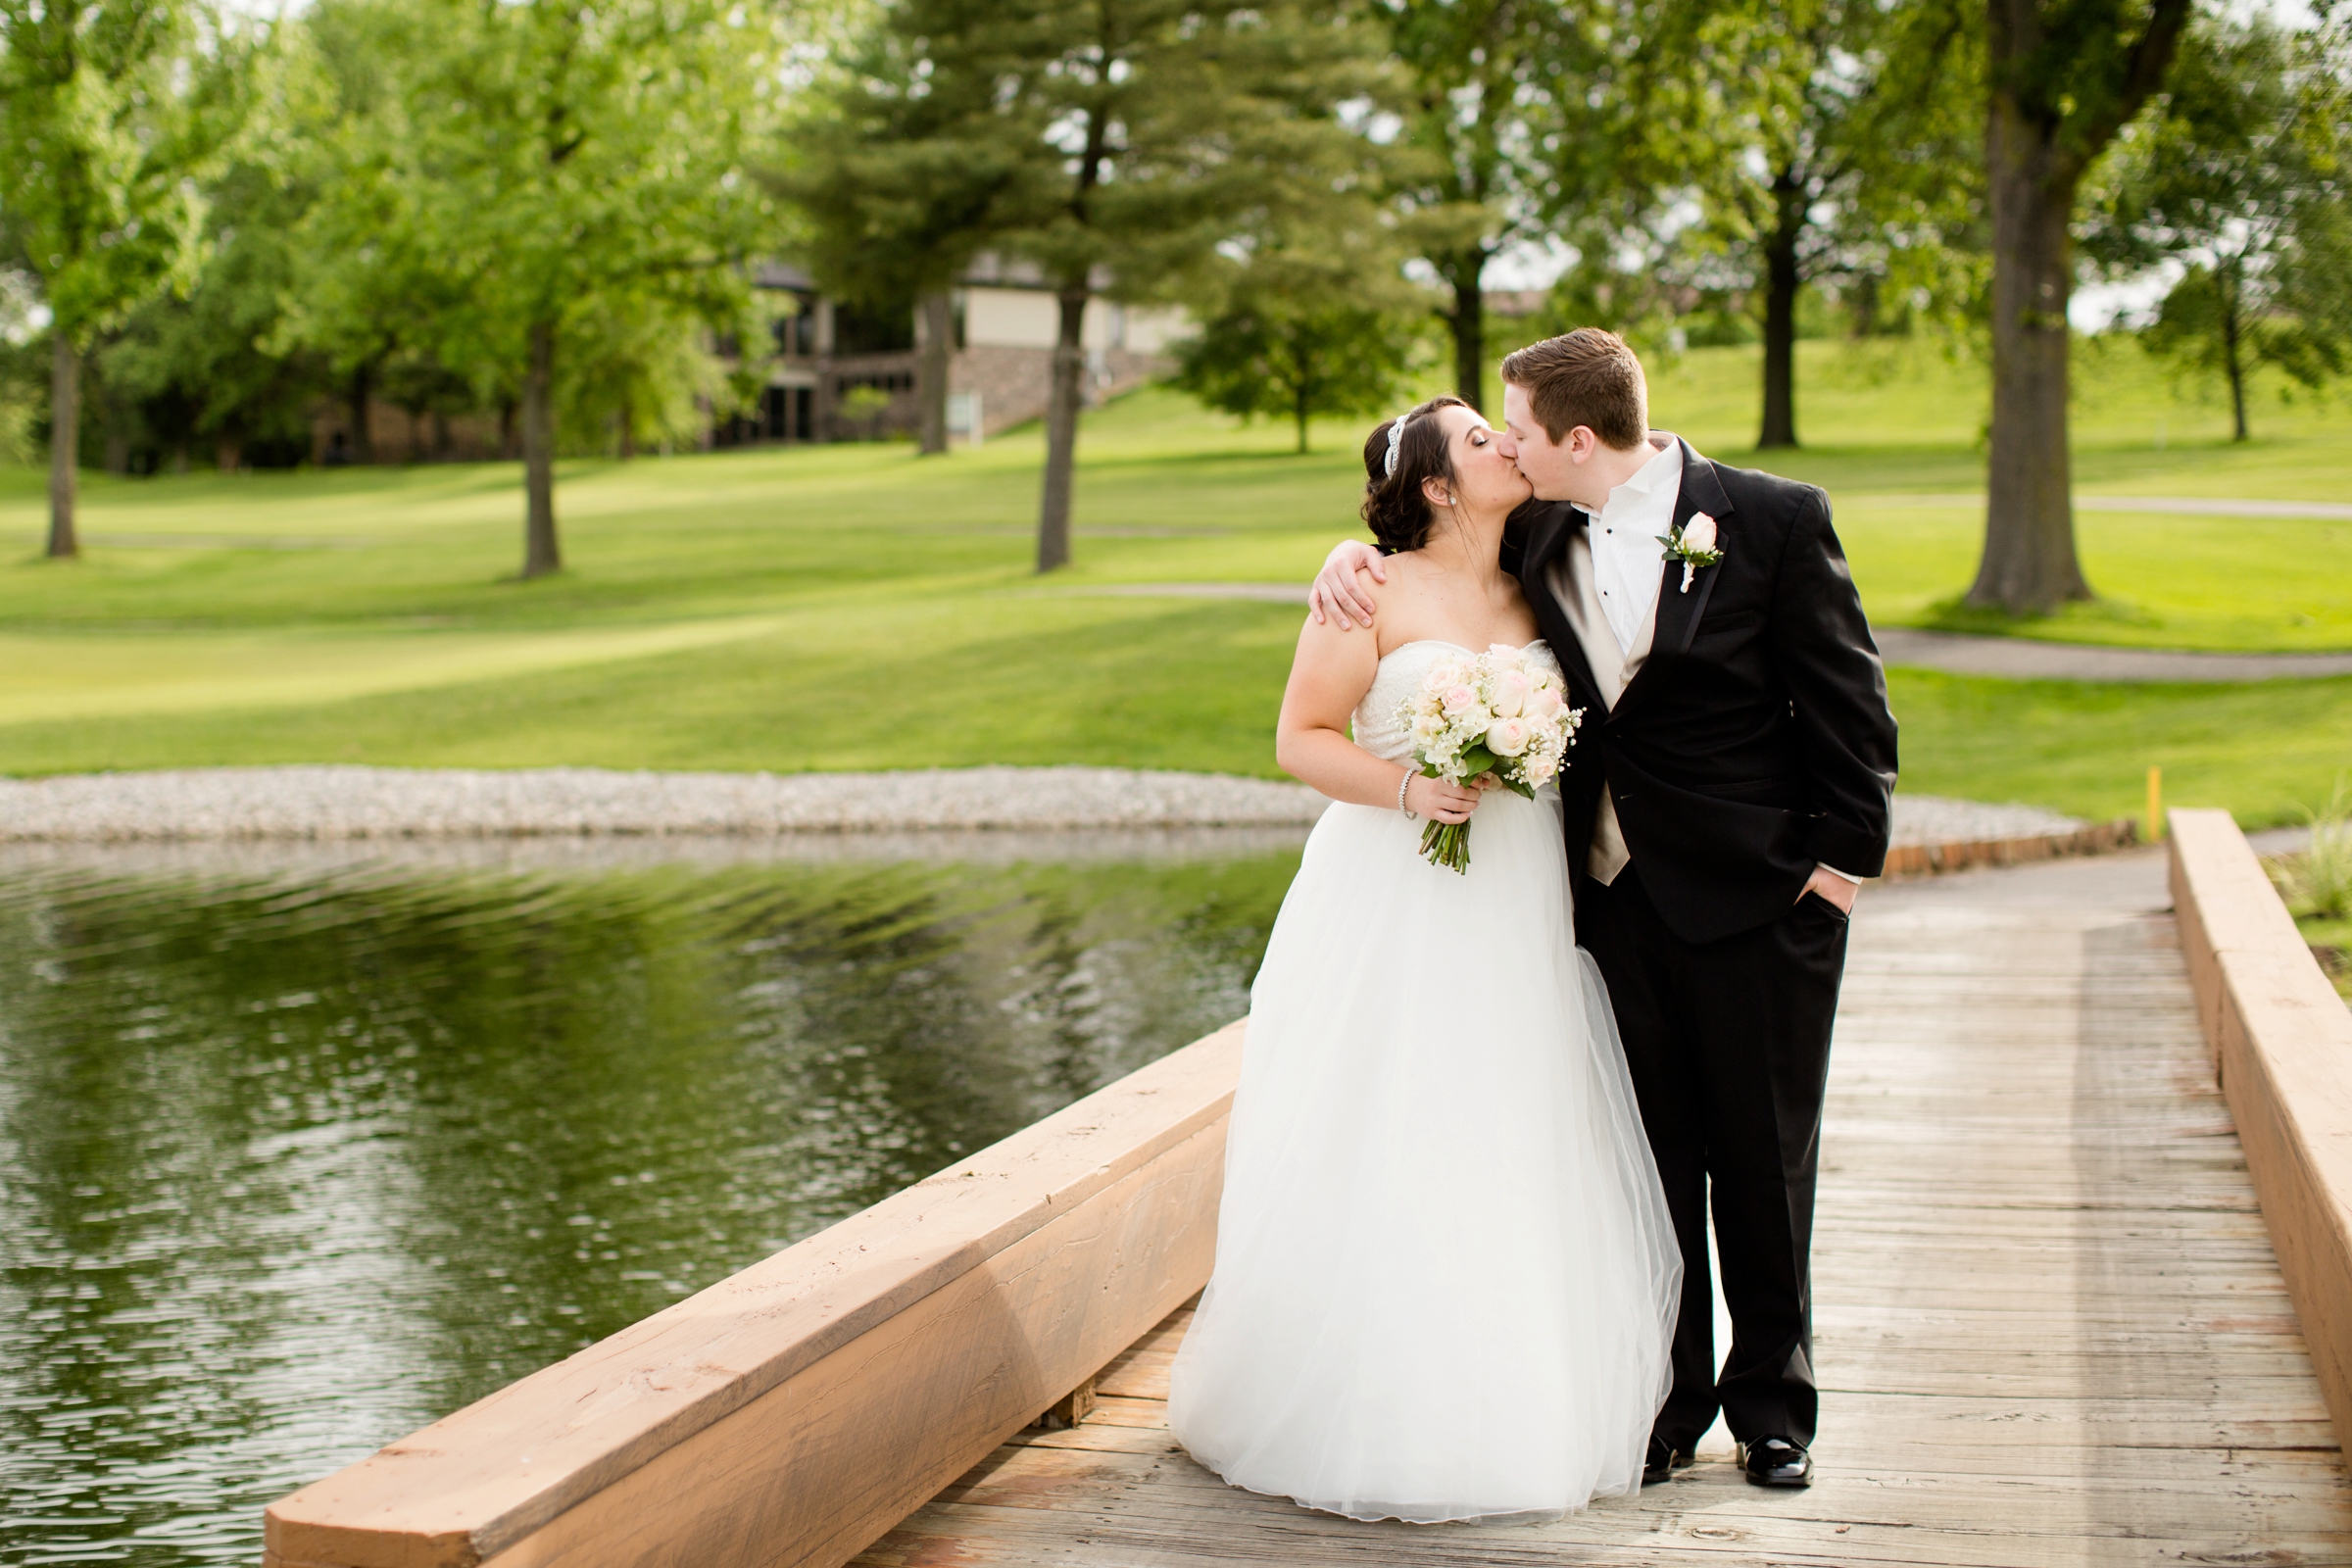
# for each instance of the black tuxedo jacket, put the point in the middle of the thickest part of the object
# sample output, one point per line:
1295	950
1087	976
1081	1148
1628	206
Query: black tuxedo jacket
1756	741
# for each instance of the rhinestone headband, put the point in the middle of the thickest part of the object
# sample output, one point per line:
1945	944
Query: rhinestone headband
1395	434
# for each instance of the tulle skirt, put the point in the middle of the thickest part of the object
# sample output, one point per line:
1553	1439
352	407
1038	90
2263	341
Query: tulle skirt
1445	1280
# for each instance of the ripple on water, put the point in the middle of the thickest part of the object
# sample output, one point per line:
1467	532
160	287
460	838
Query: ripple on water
292	1162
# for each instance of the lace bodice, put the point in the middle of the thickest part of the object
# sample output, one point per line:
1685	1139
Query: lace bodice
1401	673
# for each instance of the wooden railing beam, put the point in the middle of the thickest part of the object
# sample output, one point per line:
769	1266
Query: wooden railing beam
792	1414
2281	1041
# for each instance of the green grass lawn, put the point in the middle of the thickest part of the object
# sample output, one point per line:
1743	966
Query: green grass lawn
853	607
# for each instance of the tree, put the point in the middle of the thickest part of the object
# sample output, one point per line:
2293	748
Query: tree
1800	153
2066	75
544	164
895	204
1294	332
1503	94
109	112
211	365
1135	135
2241	179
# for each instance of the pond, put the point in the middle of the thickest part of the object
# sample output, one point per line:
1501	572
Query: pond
301	1149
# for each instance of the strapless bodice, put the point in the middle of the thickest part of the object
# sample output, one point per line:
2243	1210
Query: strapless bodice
1399	675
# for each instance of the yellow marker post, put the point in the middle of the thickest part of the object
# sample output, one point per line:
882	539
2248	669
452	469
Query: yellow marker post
2155	803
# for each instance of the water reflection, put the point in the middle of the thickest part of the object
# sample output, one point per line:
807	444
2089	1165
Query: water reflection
298	1151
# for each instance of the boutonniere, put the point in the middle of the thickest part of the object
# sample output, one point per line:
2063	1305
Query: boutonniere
1694	545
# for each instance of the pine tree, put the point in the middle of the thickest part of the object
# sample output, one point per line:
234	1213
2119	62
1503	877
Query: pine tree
1121	141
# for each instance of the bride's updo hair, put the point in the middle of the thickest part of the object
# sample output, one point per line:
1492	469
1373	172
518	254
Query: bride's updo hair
1395	508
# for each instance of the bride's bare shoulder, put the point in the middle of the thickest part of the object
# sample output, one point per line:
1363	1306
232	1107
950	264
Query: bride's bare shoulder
1398	599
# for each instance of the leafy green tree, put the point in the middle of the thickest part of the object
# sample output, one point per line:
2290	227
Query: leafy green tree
643	371
209	366
1514	111
2243	175
1300	330
2065	77
110	112
540	165
1132	136
1802	129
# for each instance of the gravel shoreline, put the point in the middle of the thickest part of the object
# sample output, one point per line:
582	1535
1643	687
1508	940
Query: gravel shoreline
347	802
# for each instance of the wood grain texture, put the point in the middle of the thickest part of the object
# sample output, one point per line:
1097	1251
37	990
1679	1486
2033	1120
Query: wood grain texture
2050	1328
790	1412
2282	1042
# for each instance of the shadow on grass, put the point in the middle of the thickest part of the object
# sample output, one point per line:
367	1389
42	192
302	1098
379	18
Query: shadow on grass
1956	614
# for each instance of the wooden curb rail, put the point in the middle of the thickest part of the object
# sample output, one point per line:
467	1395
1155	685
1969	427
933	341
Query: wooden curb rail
1961	854
792	1414
2281	1041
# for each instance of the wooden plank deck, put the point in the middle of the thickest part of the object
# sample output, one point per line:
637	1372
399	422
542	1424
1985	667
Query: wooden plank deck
2050	1328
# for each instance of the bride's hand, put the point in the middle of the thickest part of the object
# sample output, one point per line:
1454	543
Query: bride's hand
1335	585
1442	799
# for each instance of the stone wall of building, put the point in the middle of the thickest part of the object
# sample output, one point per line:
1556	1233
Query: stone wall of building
1014	382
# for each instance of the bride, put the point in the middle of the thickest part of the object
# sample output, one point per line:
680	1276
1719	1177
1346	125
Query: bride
1446	1281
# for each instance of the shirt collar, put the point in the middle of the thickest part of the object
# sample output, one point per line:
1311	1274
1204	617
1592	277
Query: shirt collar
1665	466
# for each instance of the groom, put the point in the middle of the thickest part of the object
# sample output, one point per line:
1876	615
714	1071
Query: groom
1728	790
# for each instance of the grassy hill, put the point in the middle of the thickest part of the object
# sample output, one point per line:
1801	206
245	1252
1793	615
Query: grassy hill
855	607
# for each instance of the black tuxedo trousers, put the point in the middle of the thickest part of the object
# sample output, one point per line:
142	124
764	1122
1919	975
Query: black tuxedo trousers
1729	1046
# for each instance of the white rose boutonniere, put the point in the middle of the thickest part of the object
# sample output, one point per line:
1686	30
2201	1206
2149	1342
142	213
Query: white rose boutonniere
1694	545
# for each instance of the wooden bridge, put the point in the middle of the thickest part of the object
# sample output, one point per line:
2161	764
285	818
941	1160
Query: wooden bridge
2075	1305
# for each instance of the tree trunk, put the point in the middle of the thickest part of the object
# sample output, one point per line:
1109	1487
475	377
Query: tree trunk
628	423
362	445
1061	432
1301	402
1469	324
938	320
2029	564
65	443
228	454
2230	353
1779	317
539	553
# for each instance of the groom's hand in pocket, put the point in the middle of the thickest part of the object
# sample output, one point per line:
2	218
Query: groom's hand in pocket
1336	589
1837	890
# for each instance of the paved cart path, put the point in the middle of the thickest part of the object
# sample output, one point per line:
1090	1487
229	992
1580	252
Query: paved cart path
2051	1329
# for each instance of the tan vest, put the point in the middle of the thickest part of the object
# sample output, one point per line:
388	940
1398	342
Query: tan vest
1571	581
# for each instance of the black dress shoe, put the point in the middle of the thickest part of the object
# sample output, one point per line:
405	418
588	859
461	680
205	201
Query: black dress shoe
1663	1460
1777	1462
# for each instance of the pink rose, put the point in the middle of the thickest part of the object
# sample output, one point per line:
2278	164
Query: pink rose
1545	703
1512	689
1698	534
1510	737
1458	699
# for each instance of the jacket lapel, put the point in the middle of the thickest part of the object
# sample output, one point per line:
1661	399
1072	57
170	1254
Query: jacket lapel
1677	611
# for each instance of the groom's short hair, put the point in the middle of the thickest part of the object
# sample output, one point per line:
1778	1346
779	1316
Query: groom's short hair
1586	377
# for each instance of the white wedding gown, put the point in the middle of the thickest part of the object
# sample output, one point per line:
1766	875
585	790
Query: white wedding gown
1445	1280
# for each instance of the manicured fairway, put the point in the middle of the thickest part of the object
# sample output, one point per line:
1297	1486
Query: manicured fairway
851	606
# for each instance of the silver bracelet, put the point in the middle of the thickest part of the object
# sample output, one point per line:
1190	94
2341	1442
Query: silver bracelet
1403	784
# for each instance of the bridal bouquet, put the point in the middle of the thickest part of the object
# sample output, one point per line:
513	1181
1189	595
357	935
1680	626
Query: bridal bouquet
1487	715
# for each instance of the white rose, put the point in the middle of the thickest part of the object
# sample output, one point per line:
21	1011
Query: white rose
1503	657
1509	737
1698	534
1512	689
